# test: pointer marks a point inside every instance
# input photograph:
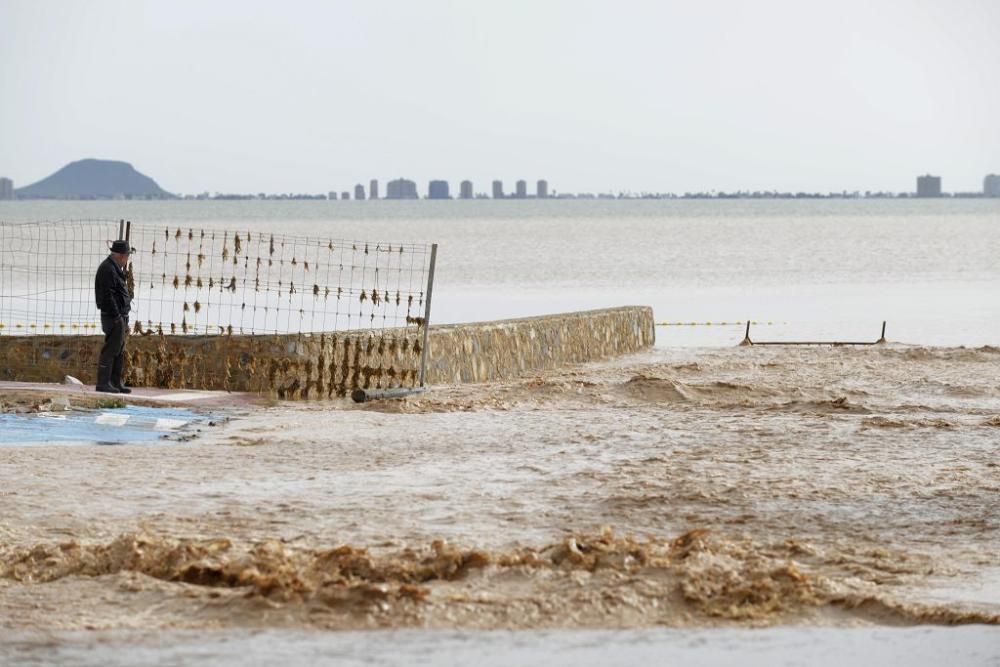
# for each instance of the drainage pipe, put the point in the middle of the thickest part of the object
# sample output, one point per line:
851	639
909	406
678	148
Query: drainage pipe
365	395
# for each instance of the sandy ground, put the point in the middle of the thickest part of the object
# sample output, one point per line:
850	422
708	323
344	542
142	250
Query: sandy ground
732	487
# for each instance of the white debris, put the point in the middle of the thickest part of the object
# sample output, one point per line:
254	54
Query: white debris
168	424
109	419
59	403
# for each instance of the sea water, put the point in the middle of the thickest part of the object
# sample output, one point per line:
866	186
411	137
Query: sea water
801	269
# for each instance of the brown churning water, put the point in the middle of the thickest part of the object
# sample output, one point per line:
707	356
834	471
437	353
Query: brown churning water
679	487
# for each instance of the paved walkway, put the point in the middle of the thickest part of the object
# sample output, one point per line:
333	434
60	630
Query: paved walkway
143	395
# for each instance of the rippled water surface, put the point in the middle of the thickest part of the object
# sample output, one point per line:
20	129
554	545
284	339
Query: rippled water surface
971	647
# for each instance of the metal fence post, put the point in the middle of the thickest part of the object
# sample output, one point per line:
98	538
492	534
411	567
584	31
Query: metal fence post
746	337
427	314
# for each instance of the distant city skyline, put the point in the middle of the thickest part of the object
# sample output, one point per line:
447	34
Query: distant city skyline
598	96
927	186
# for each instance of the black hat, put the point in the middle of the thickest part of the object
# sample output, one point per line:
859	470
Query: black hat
121	247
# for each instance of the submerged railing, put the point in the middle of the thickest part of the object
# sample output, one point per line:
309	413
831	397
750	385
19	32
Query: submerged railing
747	341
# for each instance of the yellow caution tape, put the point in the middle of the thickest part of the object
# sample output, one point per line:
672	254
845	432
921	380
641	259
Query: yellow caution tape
716	324
46	325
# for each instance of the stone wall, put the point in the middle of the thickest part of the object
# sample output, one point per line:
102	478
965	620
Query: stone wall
289	366
505	349
320	366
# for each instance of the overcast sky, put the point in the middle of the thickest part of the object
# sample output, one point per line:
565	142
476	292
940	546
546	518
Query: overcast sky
651	95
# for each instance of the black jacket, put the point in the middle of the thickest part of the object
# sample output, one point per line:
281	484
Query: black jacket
111	291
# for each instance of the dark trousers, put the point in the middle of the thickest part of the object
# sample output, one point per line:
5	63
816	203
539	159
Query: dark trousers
109	365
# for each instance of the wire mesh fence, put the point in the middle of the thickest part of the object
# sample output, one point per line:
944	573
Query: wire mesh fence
47	276
188	281
210	281
197	281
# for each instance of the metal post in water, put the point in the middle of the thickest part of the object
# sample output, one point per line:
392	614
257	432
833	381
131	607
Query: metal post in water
882	338
121	230
427	314
746	336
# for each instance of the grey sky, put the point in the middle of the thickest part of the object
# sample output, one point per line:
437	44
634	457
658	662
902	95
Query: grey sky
644	95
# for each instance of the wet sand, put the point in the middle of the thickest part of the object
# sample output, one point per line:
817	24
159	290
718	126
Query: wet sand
686	488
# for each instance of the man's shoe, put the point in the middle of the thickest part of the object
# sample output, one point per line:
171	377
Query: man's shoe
122	389
106	389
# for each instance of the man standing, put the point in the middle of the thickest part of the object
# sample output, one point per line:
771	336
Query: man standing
114	302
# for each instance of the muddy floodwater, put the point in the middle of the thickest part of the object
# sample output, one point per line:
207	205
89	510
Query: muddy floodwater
680	487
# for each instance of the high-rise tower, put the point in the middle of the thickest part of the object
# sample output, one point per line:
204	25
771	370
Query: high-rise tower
928	186
991	186
438	190
401	189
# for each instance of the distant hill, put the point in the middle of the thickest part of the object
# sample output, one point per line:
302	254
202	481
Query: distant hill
94	179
